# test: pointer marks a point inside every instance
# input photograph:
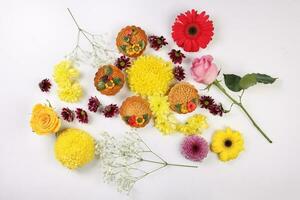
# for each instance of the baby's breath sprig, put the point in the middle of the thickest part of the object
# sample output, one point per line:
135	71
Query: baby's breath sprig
100	53
128	160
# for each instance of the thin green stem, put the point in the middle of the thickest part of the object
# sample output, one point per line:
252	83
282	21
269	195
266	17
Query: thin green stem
151	150
169	164
79	28
180	165
222	89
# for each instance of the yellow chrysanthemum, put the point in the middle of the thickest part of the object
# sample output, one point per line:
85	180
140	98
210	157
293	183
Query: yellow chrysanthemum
44	120
166	124
70	92
64	72
159	105
74	148
227	144
150	75
165	121
194	125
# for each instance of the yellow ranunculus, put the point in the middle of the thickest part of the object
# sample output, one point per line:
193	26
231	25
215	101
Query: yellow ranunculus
44	120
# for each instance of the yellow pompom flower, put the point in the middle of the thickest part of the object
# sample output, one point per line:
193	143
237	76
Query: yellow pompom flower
227	144
150	75
194	125
64	72
70	92
74	148
44	120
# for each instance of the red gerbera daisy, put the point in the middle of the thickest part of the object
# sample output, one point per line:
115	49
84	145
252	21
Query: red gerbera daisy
192	30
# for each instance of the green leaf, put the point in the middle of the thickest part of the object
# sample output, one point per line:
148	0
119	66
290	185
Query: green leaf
146	117
122	48
126	39
117	80
108	70
263	78
101	85
142	44
247	81
126	118
178	107
194	100
232	82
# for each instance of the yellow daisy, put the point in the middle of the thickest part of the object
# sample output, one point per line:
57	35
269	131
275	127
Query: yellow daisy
150	76
227	144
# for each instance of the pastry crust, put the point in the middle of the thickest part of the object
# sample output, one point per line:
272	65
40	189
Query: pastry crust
182	96
138	107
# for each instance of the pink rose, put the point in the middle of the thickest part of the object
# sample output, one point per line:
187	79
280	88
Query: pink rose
203	70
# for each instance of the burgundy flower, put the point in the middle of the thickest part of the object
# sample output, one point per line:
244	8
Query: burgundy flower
110	110
123	62
216	109
45	85
194	148
67	114
178	73
81	115
206	102
93	104
176	56
157	42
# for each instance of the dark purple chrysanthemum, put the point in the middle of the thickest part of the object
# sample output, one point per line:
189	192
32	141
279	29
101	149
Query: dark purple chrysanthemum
93	104
194	148
178	73
176	56
216	109
157	42
110	110
206	101
123	62
45	85
67	114
81	115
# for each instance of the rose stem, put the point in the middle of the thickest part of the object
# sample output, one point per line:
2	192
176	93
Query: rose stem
222	89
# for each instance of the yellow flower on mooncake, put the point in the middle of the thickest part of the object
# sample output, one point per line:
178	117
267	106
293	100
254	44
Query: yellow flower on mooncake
44	120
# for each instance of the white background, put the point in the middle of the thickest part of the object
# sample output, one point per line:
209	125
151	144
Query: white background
250	36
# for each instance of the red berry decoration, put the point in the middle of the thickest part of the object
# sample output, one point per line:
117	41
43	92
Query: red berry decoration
132	121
